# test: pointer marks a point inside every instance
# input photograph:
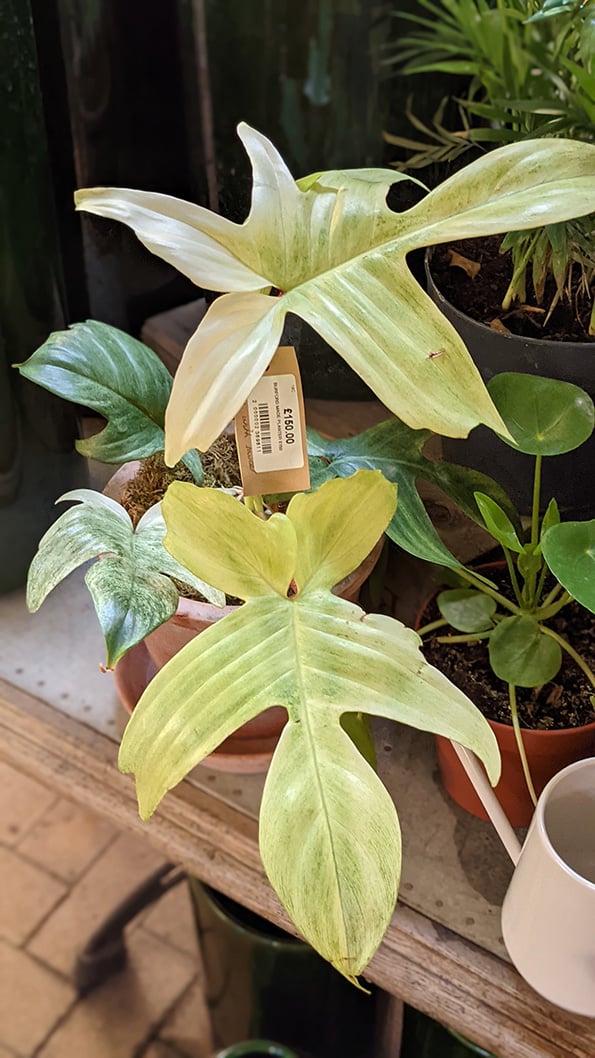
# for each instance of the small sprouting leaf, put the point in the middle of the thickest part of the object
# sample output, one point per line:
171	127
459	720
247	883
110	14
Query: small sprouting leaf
550	518
466	609
529	561
569	550
498	523
545	417
522	654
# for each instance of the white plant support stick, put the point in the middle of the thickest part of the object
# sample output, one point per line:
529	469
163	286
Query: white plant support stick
489	801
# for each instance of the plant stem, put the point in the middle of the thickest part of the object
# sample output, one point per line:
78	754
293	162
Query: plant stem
541	584
513	576
465	574
551	596
255	504
431	627
469	637
544	613
582	664
519	741
535	504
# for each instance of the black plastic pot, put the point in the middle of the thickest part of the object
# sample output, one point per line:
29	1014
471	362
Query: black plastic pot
325	374
569	478
425	1038
262	983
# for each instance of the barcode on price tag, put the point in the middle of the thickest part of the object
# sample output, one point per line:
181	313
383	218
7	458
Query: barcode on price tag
275	424
271	431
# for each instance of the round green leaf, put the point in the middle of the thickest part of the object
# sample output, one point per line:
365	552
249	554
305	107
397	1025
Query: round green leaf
545	417
569	550
467	610
522	654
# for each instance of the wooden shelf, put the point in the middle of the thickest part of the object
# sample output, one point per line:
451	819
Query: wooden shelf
442	953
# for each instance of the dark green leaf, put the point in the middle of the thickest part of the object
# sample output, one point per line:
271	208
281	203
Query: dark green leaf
569	550
467	610
462	483
520	653
103	368
545	416
396	450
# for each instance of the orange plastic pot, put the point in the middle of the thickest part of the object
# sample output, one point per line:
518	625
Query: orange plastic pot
547	753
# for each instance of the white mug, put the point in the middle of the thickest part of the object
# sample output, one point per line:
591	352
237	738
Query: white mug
548	915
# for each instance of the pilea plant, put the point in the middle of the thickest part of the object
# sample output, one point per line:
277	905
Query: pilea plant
329	832
548	567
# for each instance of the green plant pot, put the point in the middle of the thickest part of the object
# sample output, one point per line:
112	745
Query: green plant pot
256	1049
263	983
425	1038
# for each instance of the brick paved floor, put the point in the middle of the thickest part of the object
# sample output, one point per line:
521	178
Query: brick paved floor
62	869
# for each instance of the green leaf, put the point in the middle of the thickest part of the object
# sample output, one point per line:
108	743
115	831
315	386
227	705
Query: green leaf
569	550
129	603
397	451
498	523
550	518
98	526
325	552
103	368
329	833
130	595
520	653
545	417
338	253
249	557
467	610
213	534
555	7
530	561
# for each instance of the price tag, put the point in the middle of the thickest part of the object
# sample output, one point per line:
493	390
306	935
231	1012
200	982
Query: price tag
271	431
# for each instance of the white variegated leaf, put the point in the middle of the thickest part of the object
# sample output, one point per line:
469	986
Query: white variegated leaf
130	586
338	253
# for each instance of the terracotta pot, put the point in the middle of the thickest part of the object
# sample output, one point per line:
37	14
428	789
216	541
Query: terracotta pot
547	752
251	747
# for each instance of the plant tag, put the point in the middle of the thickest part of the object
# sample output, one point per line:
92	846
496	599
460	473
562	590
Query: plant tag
271	431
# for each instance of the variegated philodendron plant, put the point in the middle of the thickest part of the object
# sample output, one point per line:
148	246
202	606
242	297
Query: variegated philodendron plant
329	833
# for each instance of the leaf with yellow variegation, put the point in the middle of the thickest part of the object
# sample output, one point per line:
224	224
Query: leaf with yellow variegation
329	834
338	253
